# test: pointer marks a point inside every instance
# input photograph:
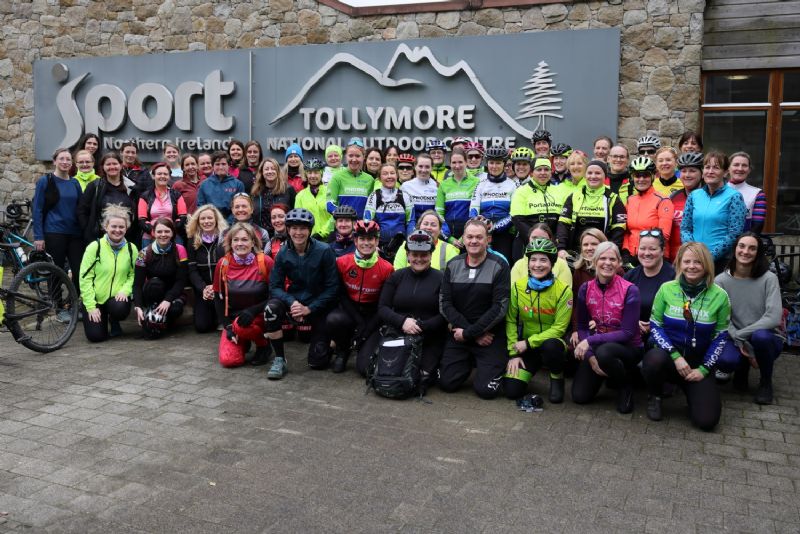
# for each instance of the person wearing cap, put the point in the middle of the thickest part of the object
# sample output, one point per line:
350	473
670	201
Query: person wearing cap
314	198
341	239
492	199
350	185
362	274
409	303
333	162
293	169
536	201
539	313
386	206
474	301
591	206
304	286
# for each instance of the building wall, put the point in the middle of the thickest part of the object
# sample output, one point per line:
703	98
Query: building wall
659	65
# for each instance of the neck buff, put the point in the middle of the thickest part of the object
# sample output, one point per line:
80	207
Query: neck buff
690	290
85	176
208	238
158	250
365	263
314	189
247	260
496	179
535	284
116	247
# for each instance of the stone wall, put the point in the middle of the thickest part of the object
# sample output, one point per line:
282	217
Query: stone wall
659	76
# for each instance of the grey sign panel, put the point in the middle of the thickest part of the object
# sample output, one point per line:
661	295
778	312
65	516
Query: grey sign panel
494	88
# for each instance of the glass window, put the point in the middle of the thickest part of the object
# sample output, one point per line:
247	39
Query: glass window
737	88
732	131
791	86
788	205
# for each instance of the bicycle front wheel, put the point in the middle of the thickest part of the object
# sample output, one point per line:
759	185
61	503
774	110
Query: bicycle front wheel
42	307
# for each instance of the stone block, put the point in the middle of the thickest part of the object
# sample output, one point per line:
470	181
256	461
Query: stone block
317	36
579	12
471	28
684	98
661	81
533	19
426	18
554	13
429	30
656	57
281	6
668	37
658	7
448	20
360	28
632	127
6	68
670	128
407	29
633	17
654	107
611	15
492	18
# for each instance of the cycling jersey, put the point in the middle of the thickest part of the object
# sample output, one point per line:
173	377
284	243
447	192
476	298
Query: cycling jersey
439	172
419	196
452	202
363	286
678	199
346	189
492	199
533	203
705	336
316	204
645	211
666	187
388	209
591	208
542	314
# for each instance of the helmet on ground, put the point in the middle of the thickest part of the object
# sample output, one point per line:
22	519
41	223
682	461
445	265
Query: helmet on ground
496	152
435	144
561	149
541	135
542	245
419	241
474	146
154	323
299	217
366	228
523	153
690	159
315	164
345	212
648	140
405	157
642	164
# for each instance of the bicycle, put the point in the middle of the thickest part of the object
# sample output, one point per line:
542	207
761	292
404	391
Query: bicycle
13	232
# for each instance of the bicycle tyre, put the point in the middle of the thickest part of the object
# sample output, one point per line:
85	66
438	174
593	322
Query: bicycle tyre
55	277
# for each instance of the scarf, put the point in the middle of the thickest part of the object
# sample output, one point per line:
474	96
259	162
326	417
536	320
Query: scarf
343	238
116	247
535	284
365	263
314	189
690	290
247	260
158	250
496	179
208	238
86	177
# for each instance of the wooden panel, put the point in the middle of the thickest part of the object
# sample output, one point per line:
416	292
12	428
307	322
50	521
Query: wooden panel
752	37
751	50
775	62
755	23
754	9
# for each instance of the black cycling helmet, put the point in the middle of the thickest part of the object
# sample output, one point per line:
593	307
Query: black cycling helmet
419	241
345	212
314	164
642	164
496	152
300	217
691	159
542	245
541	135
561	150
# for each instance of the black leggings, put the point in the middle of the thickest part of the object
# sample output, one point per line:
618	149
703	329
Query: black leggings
319	354
502	242
617	361
111	310
705	405
65	248
551	354
458	359
205	314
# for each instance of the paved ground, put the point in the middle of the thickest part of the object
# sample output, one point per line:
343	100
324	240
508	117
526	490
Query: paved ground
140	436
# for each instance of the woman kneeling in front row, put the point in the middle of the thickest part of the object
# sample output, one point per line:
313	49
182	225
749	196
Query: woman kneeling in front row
689	327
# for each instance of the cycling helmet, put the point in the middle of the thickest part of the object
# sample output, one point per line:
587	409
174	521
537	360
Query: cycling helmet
344	212
690	159
542	245
541	135
300	217
496	152
648	140
459	140
561	149
419	241
642	164
523	153
366	228
405	157
474	146
435	144
314	164
154	323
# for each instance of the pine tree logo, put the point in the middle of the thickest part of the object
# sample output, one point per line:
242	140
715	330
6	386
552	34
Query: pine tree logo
542	97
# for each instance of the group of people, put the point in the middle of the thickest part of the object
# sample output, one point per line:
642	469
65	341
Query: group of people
612	270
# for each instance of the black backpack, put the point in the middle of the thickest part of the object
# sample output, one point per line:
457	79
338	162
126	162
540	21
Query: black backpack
394	370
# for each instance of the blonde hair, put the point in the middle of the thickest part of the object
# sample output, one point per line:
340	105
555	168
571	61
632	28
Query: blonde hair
235	229
282	183
84	151
584	263
702	253
604	247
578	156
193	226
667	149
116	211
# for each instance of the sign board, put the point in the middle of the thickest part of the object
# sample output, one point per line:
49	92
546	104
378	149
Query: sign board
496	89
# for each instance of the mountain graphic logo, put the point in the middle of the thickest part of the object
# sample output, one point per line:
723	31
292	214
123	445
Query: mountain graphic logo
542	100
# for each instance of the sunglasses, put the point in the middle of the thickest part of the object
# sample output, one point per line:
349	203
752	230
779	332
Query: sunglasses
655	232
237	195
643	175
647	151
405	168
356	141
474	156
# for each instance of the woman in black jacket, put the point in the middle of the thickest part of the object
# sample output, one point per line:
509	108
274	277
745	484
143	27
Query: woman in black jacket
110	188
409	303
204	248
